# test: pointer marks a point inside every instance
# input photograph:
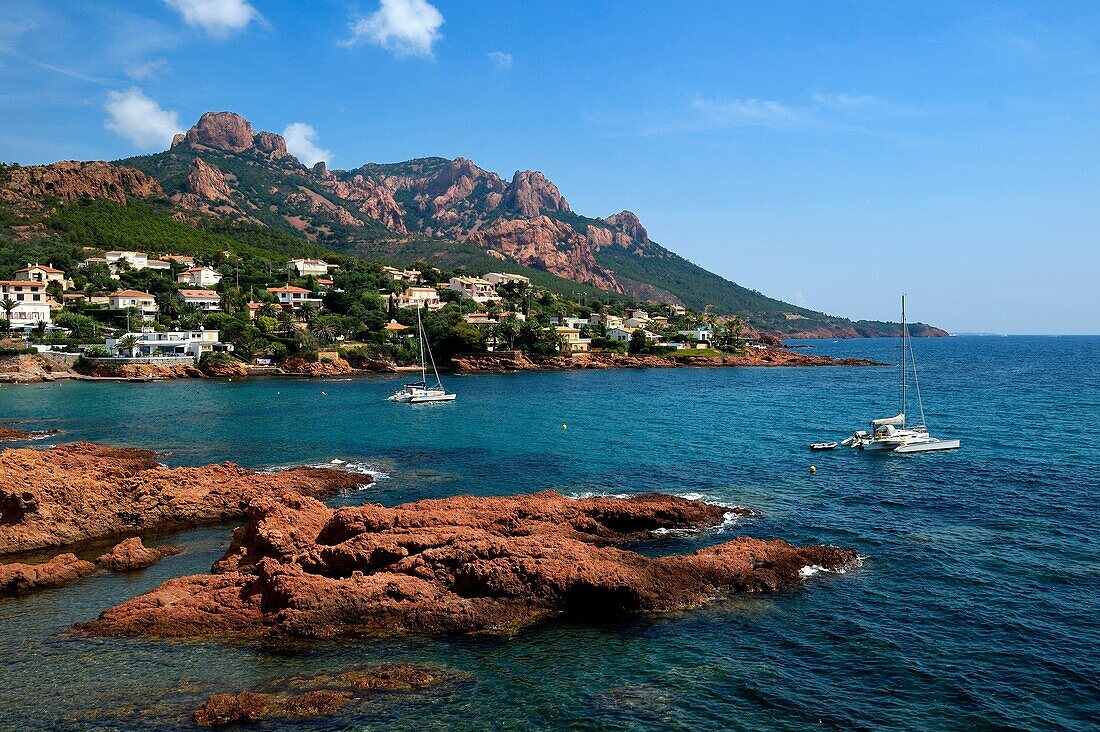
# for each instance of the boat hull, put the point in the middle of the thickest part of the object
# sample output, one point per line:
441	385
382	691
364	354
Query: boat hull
929	446
432	398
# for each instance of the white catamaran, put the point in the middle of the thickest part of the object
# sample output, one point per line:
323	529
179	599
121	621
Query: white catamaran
419	392
891	433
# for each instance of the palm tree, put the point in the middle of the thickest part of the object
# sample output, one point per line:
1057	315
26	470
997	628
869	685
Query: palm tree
286	320
268	310
8	305
322	330
508	329
128	342
307	312
169	304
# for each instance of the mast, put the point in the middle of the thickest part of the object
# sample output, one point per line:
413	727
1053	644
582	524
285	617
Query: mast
903	366
420	337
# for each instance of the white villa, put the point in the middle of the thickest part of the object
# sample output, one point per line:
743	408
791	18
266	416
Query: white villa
606	319
677	311
192	343
572	341
638	314
143	301
136	260
700	334
205	300
31	302
418	297
293	297
401	275
499	278
569	322
475	288
306	267
199	277
623	334
42	273
183	259
633	322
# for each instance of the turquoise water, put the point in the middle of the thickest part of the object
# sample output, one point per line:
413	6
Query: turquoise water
976	606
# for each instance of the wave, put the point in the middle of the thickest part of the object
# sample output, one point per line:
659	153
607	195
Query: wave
362	467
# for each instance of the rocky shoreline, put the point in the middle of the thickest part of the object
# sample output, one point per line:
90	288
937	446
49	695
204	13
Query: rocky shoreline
509	362
31	368
82	491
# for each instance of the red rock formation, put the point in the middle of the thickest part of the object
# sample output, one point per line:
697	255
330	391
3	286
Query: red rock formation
546	244
206	183
497	363
318	696
224	369
131	555
272	144
300	367
70	180
220	131
313	203
142	370
462	564
627	230
372	199
11	434
82	491
17	578
531	194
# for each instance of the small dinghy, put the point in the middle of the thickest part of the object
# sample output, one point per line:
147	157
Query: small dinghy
822	445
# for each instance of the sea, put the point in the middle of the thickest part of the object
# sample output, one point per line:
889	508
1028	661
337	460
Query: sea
976	605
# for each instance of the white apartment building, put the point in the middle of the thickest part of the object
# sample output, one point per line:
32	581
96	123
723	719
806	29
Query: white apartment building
42	273
136	260
294	297
499	278
419	297
143	301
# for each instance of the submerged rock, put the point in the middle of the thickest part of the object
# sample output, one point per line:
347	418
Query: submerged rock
132	555
312	696
81	491
463	564
17	578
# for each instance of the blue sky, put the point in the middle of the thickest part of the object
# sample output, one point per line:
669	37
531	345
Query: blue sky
831	154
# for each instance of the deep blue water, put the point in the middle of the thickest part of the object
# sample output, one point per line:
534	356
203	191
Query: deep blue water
976	606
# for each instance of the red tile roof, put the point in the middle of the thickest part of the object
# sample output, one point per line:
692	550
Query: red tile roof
289	288
198	293
132	293
42	267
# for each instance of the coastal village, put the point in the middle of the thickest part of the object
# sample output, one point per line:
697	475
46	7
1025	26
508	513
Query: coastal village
135	312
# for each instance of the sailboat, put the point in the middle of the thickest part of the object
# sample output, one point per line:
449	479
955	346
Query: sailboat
893	434
419	392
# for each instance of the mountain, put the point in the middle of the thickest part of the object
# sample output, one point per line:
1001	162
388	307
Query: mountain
450	210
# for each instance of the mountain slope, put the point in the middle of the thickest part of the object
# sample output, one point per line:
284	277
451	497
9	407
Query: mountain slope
457	210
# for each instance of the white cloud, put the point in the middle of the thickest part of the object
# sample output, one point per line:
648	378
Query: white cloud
501	61
747	113
406	27
145	69
301	141
843	101
140	120
216	18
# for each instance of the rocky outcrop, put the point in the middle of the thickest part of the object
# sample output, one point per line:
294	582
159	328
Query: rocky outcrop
313	696
531	194
228	368
220	131
80	491
206	183
31	368
115	370
627	230
499	363
464	564
12	434
18	578
372	200
70	180
545	243
312	203
300	367
271	144
132	555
